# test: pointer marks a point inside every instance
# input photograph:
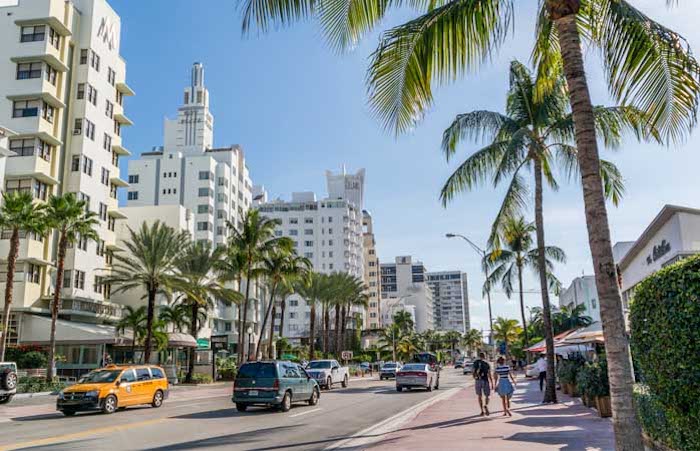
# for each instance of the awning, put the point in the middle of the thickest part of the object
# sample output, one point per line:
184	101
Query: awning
541	346
180	340
590	334
36	330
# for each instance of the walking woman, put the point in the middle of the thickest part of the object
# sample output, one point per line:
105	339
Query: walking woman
504	387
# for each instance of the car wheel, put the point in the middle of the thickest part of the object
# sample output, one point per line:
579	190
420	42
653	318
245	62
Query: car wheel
6	399
8	379
109	405
286	402
314	397
345	382
381	378
157	399
69	413
399	388
241	407
329	384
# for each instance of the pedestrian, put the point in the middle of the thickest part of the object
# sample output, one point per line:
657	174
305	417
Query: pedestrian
504	388
483	381
541	366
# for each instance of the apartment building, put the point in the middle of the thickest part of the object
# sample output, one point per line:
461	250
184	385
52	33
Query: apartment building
450	300
62	92
372	276
404	287
582	291
5	152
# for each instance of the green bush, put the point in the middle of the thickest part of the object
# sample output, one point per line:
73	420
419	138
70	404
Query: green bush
32	360
665	326
201	378
38	385
592	379
568	369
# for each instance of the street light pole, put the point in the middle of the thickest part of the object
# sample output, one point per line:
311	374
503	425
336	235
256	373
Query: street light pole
483	254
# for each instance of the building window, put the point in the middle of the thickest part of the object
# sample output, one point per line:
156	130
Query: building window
103	212
111	76
104	178
47	112
100	248
204	209
91	94
205	175
117	128
330	242
293	221
89	130
203	226
33	273
109	109
308	220
82	243
25	108
75	163
220	214
308	231
30	147
95	60
133	195
308	254
111	222
87	165
221	197
134	178
79	280
51	74
219	231
98	286
26	71
205	192
293	232
120	99
221	181
308	243
107	142
67	279
33	33
78	127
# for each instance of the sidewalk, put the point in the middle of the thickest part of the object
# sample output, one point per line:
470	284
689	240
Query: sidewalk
455	424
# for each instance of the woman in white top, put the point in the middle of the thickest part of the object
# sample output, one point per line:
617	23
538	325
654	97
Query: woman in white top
504	388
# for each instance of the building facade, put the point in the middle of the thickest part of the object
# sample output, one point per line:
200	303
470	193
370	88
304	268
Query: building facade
450	300
62	92
582	291
5	152
404	286
372	274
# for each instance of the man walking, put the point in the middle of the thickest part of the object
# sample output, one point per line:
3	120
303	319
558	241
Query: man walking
541	366
483	381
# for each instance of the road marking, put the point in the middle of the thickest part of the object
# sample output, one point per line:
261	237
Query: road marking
305	413
77	435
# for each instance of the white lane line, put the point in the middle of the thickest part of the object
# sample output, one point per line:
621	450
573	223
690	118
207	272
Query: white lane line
305	413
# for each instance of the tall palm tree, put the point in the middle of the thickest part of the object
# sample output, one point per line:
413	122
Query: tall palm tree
404	320
452	338
255	240
573	317
472	340
19	214
389	338
230	268
72	220
176	315
134	319
646	65
506	330
148	263
355	296
196	279
284	291
311	290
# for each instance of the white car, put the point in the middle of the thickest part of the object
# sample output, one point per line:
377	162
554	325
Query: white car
467	367
531	371
328	373
416	375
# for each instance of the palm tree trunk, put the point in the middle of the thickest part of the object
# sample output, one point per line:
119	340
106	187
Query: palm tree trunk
55	307
312	332
152	290
270	355
326	329
193	332
264	323
522	305
9	290
343	328
550	393
628	433
243	352
337	330
283	307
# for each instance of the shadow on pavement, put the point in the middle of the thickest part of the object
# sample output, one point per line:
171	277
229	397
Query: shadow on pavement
226	440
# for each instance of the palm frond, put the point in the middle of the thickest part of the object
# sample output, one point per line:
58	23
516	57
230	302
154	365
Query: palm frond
475	126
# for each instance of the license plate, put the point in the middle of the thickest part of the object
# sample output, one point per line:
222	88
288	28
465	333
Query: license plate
253	393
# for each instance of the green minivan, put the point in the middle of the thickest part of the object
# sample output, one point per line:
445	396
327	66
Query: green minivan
275	383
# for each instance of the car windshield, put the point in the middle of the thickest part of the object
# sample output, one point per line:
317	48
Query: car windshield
100	377
390	365
257	370
425	358
413	367
5	365
319	365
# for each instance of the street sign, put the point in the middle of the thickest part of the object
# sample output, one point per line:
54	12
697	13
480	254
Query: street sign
202	343
346	355
219	343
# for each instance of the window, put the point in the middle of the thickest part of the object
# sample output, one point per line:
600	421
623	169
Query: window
40	190
107	142
142	374
205	175
89	130
330	266
82	243
20	185
25	108
29	147
330	242
133	195
33	33
220	214
84	56
293	221
111	222
220	231
98	287
75	163
95	60
308	231
372	263
109	109
103	211
78	127
67	279
308	220
292	315
28	70
330	219
111	76
134	178
203	226
158	374
308	243
91	94
221	197
227	326
51	74
205	192
33	273
293	232
117	128
48	112
85	198
87	165
54	38
221	181
104	177
79	280
204	209
330	254
308	254
120	101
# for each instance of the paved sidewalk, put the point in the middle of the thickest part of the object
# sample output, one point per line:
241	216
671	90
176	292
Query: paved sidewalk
455	424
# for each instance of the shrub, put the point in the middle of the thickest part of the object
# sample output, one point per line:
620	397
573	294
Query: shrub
38	385
201	378
665	326
568	369
592	379
32	360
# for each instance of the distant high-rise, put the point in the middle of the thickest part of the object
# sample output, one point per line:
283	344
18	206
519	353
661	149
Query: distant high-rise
450	300
404	287
350	187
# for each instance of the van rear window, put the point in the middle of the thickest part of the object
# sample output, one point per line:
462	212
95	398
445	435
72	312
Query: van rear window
257	371
157	373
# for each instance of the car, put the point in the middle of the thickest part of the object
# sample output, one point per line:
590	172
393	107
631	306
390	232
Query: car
416	375
8	381
388	370
431	360
531	371
467	367
459	363
365	367
273	383
115	387
328	373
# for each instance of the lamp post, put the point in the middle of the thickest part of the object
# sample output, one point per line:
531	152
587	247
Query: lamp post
482	254
249	331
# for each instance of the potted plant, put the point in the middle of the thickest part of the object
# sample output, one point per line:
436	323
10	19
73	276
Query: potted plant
600	388
567	371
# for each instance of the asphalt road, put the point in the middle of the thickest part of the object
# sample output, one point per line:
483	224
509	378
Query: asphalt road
209	420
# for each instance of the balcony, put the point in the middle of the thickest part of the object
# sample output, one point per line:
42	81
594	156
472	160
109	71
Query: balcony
122	119
120	150
116	181
125	89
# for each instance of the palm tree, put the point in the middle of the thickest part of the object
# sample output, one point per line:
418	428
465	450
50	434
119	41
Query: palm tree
452	338
149	264
407	346
19	215
284	291
646	64
177	316
389	339
311	290
472	340
573	317
404	320
507	331
72	220
355	296
230	268
134	319
255	240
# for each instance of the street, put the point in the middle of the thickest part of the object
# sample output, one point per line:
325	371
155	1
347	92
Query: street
207	419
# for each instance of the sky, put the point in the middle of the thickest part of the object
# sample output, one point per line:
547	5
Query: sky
298	109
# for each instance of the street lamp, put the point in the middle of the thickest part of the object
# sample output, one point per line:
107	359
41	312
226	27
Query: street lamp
249	331
483	254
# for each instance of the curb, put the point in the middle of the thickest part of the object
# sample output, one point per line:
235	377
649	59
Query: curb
369	436
33	395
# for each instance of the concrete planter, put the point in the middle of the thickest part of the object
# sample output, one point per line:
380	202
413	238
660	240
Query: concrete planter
603	406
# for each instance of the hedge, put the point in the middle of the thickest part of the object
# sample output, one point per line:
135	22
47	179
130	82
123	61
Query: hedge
665	327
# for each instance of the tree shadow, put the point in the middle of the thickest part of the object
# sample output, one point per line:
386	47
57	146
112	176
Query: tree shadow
227	440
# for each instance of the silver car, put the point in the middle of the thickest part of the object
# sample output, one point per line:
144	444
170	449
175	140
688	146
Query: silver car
389	370
416	375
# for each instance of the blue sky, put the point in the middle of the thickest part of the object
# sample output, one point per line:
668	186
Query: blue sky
299	109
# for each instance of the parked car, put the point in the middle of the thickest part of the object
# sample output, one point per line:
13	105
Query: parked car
416	375
276	383
459	363
467	367
115	387
531	371
365	367
431	360
328	372
388	370
8	381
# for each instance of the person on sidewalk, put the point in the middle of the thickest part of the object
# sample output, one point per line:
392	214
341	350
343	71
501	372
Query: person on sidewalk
504	388
483	381
541	366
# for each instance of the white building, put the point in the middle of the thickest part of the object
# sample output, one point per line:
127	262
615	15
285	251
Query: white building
5	135
582	291
213	183
450	300
372	273
673	234
405	287
62	91
328	232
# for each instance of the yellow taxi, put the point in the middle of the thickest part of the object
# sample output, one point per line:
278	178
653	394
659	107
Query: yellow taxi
115	387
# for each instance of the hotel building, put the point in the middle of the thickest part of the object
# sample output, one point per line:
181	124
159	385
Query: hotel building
404	287
450	300
372	276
